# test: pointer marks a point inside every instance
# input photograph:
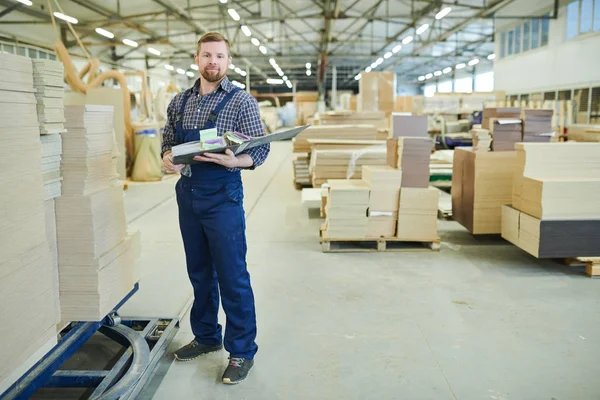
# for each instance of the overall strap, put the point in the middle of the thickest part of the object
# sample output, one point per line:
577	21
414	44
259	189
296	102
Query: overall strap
179	117
212	118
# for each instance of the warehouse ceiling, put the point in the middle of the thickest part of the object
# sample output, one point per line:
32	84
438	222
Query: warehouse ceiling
348	34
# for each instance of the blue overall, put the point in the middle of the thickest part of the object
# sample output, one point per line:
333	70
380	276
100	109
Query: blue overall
212	223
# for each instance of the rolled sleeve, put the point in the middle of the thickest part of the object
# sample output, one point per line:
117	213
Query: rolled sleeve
249	123
168	139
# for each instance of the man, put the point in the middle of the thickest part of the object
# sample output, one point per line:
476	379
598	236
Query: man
211	214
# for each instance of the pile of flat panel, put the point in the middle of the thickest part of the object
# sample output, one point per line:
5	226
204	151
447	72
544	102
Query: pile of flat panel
344	163
555	209
537	125
96	257
384	183
346	209
28	284
482	139
506	132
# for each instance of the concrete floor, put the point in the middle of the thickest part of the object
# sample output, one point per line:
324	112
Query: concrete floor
480	319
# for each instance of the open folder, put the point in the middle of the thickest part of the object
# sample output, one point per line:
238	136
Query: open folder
237	143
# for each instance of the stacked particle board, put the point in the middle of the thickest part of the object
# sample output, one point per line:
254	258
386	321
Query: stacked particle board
408	125
343	161
417	214
506	132
412	156
482	140
504	112
346	209
374	118
584	133
384	183
481	184
28	283
96	257
537	125
332	132
555	208
301	175
49	85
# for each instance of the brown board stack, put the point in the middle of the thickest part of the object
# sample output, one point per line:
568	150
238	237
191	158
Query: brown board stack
343	163
500	112
537	125
384	183
417	214
346	209
505	133
481	184
96	257
412	156
28	284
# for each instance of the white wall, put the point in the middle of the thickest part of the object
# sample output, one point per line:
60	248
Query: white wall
562	64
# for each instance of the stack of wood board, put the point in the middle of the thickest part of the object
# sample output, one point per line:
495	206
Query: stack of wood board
301	175
49	84
556	197
346	209
343	162
499	112
537	125
505	133
408	125
412	156
482	140
481	185
417	214
96	257
342	132
51	156
28	284
584	133
384	183
375	118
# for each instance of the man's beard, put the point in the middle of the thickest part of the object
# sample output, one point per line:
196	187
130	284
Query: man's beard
212	76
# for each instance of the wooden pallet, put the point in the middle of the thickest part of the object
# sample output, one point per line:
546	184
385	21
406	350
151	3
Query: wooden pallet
591	264
353	245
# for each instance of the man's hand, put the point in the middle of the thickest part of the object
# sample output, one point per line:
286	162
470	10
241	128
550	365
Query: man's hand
168	164
228	160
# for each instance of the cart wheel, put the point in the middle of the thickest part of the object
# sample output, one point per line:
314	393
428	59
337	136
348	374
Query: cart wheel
113	319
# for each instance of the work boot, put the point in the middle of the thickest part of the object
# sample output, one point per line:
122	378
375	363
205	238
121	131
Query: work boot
194	349
237	370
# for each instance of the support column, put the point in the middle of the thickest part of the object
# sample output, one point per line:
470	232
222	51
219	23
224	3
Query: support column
334	89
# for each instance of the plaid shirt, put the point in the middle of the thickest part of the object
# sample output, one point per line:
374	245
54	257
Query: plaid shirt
241	114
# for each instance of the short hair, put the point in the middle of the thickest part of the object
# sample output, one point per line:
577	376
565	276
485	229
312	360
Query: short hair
213	37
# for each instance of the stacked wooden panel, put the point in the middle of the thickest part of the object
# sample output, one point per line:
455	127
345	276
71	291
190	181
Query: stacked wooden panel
384	183
500	112
411	155
481	185
417	214
28	283
537	125
408	125
346	209
506	132
374	118
482	140
555	208
96	257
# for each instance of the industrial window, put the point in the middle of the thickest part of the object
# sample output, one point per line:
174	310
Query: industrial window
583	16
463	85
586	16
484	82
545	29
429	90
518	40
444	87
595	106
21	51
510	42
527	35
503	44
596	15
535	34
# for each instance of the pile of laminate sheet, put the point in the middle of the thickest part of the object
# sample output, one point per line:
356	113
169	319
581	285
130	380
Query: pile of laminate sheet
344	163
384	183
506	132
346	209
555	209
96	256
537	125
482	139
28	282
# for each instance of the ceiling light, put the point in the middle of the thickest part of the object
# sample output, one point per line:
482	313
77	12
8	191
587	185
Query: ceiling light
238	70
422	29
379	61
447	70
461	65
307	65
374	65
407	40
272	61
169	67
243	73
26	2
288	84
308	72
180	71
429	76
474	61
190	74
280	73
223	1
421	78
437	73
194	67
65	17
274	81
445	11
396	48
246	30
285	78
105	33
368	69
234	14
240	85
387	55
255	42
491	56
263	49
231	66
153	51
357	77
130	43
